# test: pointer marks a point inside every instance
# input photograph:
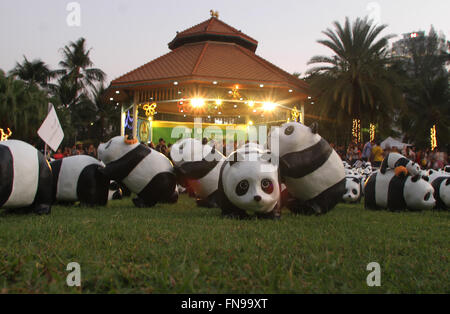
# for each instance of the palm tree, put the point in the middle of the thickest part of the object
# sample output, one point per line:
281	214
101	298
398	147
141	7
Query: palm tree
355	83
77	66
22	107
34	72
107	115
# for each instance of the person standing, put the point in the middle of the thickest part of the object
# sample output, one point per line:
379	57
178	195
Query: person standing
367	151
377	155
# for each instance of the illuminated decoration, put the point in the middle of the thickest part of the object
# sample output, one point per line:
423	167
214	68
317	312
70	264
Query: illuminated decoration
295	114
4	136
250	122
144	131
150	109
218	102
372	132
129	121
235	92
356	131
182	107
433	138
251	103
413	35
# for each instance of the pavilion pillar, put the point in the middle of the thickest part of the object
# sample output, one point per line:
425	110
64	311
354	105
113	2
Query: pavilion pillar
135	113
123	116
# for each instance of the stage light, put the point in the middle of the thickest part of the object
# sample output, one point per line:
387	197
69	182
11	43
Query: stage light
117	92
269	106
218	102
197	102
175	83
215	82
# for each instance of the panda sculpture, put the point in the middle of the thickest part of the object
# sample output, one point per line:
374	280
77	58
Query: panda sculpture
114	191
198	165
143	170
311	169
249	182
25	178
440	180
398	192
78	178
394	160
353	190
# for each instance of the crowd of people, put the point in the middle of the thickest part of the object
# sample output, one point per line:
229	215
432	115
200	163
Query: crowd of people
373	152
370	151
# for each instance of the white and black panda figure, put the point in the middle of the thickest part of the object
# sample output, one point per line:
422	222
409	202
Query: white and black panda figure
249	183
398	192
311	169
394	160
198	164
440	180
143	170
25	178
353	190
77	178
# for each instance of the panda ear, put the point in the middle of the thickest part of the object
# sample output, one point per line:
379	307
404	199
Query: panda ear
314	127
415	178
426	178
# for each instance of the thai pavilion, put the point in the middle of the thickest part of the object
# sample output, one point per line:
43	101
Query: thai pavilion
211	72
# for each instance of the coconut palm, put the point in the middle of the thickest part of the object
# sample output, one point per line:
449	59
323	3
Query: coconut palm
77	66
22	107
34	72
355	83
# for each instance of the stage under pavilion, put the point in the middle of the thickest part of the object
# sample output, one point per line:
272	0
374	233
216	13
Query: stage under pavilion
212	73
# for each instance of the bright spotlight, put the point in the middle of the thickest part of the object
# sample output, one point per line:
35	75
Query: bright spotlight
197	102
269	106
218	102
251	103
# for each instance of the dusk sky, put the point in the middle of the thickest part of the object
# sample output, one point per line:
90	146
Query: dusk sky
125	34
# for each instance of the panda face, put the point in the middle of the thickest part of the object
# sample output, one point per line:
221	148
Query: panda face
353	190
114	149
292	137
418	194
252	185
189	150
413	168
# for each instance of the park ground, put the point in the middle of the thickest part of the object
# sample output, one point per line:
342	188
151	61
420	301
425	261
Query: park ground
184	249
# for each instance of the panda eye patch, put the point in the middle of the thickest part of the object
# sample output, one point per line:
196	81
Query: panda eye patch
354	191
267	186
242	187
289	130
427	196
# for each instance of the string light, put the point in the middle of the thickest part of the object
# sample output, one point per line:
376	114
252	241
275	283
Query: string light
356	131
4	136
433	138
372	132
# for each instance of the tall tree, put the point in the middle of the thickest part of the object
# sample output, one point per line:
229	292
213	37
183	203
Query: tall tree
34	72
423	60
356	82
77	66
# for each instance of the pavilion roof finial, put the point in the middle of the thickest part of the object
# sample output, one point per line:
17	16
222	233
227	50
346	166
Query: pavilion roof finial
214	13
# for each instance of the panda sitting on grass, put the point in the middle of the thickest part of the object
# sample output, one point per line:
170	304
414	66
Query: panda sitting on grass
249	185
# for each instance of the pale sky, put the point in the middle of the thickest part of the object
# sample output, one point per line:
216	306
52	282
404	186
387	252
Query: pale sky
125	34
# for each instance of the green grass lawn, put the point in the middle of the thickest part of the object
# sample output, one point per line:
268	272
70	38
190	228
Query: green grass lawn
184	249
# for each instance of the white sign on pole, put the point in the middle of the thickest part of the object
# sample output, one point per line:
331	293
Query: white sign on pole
50	131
